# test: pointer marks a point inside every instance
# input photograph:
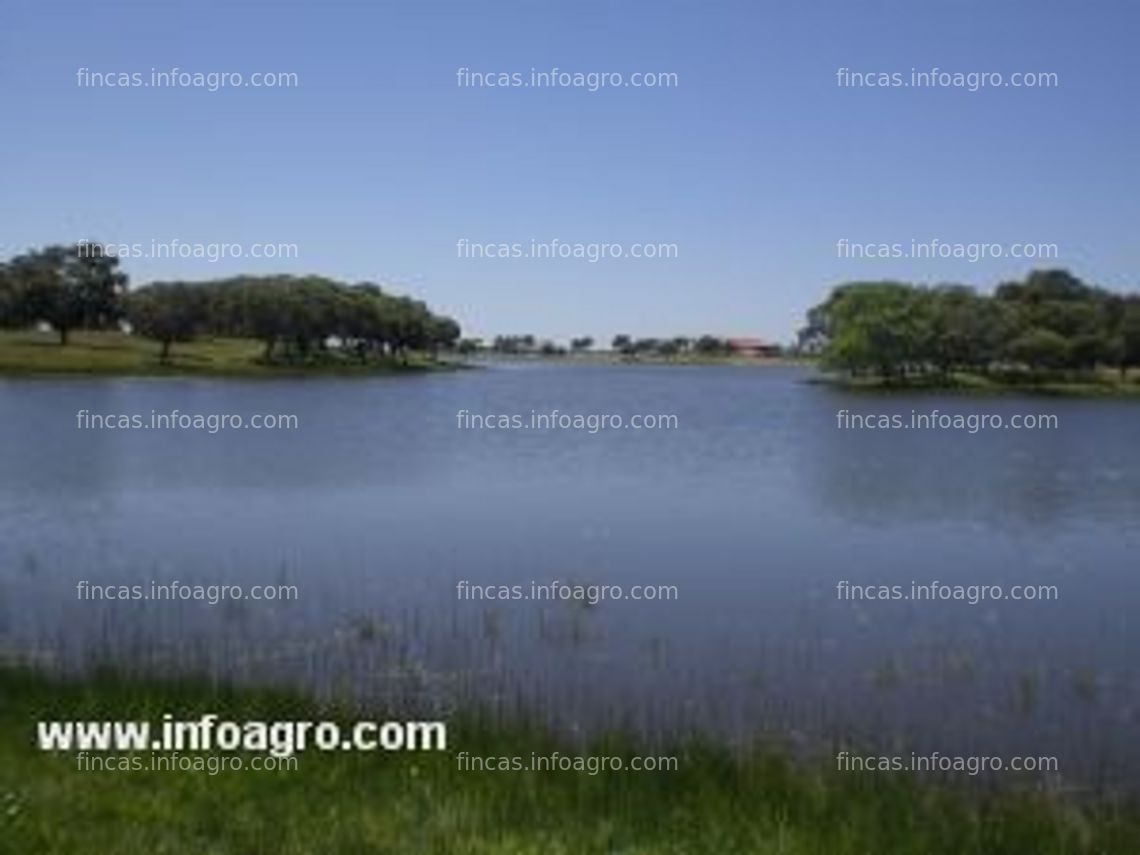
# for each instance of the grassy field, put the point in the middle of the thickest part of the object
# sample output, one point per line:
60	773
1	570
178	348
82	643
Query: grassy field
357	803
107	353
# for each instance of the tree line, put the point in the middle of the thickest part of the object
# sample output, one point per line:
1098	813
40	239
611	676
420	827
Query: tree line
295	317
705	345
1049	323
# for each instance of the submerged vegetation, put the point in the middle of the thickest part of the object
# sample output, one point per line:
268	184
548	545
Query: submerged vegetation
299	321
359	802
1051	330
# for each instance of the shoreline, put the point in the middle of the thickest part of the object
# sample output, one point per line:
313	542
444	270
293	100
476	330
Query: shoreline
38	355
109	355
976	384
612	358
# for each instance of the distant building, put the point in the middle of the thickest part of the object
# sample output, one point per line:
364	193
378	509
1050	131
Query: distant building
753	347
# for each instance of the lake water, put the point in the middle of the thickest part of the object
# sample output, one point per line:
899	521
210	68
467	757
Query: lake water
756	506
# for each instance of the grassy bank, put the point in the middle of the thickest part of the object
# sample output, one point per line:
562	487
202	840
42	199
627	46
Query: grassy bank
350	802
1102	384
115	354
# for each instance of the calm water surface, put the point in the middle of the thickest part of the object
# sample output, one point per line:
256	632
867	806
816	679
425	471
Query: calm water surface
755	507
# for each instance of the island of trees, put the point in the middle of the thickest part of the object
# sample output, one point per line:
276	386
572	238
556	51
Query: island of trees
1049	328
295	321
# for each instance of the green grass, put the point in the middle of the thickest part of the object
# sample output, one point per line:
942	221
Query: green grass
358	803
116	354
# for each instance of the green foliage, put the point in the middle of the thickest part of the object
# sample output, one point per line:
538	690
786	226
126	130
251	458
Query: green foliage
878	326
512	344
167	313
1127	340
1041	349
708	345
69	287
295	317
467	346
13	301
669	348
1052	322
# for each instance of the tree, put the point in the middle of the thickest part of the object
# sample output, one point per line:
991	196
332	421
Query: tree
622	343
1045	286
443	332
1040	349
893	329
304	317
309	309
890	323
81	287
579	344
410	326
1090	349
1126	342
710	345
357	319
646	345
50	296
167	312
260	311
98	275
954	314
71	287
13	301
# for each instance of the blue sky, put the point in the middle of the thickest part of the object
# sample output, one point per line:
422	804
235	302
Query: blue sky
754	165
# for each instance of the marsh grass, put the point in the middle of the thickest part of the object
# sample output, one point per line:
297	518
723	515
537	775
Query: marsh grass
349	802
